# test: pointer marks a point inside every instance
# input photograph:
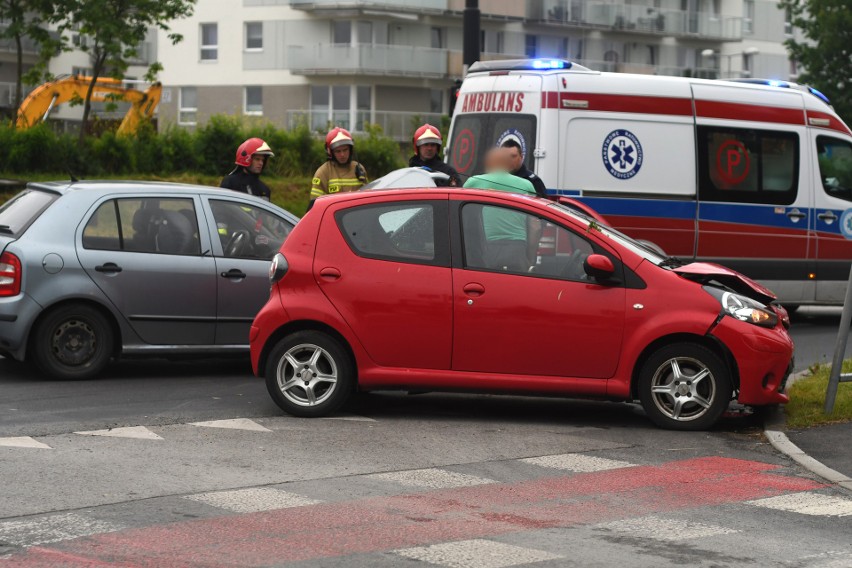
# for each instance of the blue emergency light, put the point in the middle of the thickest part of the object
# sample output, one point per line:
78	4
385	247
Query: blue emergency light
550	64
819	95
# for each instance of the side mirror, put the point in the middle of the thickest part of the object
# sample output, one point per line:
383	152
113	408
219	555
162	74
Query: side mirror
598	266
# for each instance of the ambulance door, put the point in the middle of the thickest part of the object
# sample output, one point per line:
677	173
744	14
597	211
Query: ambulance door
492	110
754	212
832	182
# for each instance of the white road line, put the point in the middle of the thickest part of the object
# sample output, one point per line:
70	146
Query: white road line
350	417
233	424
139	432
579	463
432	478
23	442
476	553
54	528
814	504
253	500
659	528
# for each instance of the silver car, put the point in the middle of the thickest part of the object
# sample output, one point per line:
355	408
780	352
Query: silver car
92	270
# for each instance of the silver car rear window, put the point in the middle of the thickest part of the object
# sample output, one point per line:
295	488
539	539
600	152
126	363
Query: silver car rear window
21	210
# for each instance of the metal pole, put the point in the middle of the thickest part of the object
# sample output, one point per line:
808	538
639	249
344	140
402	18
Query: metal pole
839	350
471	34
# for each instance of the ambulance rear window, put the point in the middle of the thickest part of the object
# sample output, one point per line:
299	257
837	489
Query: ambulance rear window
474	134
747	166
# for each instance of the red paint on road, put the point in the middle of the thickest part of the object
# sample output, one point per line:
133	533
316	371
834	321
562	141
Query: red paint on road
387	523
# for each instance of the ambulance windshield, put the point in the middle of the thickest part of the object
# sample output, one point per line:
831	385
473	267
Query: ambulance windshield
473	134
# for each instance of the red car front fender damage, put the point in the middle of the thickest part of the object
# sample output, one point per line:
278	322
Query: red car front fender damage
763	357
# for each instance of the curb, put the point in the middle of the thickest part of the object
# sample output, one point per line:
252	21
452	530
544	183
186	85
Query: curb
773	429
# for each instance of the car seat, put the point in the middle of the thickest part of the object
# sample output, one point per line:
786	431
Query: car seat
174	233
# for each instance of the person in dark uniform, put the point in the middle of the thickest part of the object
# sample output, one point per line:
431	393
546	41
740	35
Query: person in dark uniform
427	145
519	169
251	159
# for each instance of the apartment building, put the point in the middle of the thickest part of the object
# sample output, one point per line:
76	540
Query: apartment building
392	62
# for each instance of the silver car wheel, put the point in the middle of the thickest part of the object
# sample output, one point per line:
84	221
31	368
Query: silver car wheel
307	375
74	342
683	388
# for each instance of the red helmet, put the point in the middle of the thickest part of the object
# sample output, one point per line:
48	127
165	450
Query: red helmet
249	148
336	138
427	134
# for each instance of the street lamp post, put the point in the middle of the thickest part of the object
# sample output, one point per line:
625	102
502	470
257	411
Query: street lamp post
747	52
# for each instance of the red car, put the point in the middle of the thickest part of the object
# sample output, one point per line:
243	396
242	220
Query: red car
445	289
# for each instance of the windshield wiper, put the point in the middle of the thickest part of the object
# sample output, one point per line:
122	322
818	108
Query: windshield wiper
671	262
6	230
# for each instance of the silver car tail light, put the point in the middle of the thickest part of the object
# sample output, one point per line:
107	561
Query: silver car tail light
10	275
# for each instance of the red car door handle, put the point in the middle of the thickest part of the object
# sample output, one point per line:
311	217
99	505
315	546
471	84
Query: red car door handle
474	289
330	273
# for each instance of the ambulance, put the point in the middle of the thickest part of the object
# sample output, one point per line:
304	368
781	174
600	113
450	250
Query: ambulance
755	175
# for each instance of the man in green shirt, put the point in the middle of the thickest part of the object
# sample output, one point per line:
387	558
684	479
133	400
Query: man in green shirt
511	237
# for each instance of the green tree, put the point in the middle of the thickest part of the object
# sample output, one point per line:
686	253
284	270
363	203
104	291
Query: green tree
114	31
826	53
23	21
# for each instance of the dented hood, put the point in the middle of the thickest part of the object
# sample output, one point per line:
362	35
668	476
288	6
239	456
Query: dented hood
705	272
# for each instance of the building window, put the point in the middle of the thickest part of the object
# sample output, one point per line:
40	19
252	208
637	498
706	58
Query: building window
437	38
83	71
209	42
341	32
501	43
253	100
254	35
188	106
531	46
748	16
436	101
334	105
788	21
365	32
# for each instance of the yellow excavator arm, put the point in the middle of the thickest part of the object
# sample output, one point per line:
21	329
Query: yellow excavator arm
38	104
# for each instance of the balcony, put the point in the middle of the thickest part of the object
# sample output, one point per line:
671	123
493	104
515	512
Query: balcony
399	5
29	47
646	69
636	19
455	60
7	94
396	125
386	60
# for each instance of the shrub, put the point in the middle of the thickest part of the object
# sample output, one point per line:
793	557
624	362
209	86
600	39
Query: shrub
216	144
377	152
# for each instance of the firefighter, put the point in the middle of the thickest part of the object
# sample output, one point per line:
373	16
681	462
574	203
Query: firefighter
427	147
252	156
340	173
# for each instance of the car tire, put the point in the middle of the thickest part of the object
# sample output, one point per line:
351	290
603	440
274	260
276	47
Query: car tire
309	374
684	386
74	341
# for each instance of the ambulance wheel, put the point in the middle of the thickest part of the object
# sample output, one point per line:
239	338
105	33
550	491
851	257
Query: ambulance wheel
684	386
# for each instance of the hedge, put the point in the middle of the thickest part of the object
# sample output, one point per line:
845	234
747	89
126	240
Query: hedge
209	150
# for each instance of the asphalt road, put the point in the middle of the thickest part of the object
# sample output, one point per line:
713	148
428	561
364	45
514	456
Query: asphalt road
129	470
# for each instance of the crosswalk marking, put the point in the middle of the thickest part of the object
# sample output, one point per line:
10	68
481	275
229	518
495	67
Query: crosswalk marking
253	500
476	553
23	442
139	432
233	424
814	504
54	528
579	463
431	478
659	528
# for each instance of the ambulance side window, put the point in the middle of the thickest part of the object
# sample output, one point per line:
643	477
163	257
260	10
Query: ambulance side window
835	166
747	166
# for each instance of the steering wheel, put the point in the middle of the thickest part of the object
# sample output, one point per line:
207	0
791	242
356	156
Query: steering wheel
237	244
574	266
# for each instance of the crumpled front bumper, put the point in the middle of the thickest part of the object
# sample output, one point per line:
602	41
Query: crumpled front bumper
764	359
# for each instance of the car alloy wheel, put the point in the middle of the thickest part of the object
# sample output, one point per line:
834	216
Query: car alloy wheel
684	387
309	374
